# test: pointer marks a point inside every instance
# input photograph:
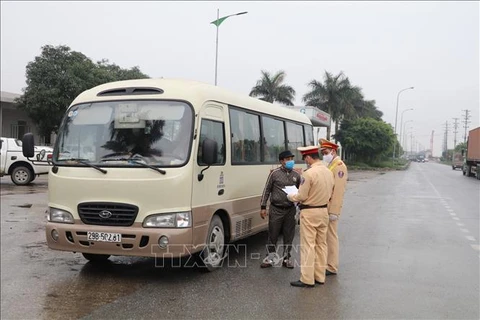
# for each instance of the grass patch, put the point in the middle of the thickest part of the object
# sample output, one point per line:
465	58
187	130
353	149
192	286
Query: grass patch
398	164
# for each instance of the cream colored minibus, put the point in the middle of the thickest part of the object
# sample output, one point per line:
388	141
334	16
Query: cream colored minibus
164	168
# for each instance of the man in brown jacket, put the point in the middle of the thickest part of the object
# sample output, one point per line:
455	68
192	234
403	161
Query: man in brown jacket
316	187
340	173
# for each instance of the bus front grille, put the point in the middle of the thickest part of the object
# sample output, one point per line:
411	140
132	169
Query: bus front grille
107	214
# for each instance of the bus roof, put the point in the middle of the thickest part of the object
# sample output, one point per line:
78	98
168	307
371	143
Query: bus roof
197	93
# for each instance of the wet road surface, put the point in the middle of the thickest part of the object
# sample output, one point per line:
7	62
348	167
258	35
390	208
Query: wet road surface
408	249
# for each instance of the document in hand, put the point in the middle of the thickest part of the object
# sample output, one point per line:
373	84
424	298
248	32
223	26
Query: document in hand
290	189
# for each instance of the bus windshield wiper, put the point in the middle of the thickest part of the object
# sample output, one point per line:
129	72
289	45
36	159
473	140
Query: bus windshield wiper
136	162
87	163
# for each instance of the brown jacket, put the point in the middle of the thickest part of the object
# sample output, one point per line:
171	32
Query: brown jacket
340	173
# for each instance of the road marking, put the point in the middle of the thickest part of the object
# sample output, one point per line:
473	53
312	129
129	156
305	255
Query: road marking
460	224
465	230
455	218
450	210
475	247
453	214
470	238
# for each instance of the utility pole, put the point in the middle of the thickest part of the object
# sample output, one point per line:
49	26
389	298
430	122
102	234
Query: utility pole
445	140
455	127
465	124
431	143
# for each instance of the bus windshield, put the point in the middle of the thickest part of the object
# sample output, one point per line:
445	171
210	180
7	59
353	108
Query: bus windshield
120	133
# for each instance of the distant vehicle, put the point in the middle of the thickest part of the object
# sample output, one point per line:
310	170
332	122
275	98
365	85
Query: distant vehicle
471	166
22	170
457	162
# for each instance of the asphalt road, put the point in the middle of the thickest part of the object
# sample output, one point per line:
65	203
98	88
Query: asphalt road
409	243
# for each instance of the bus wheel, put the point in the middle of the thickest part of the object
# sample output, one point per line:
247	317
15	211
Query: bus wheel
212	255
96	257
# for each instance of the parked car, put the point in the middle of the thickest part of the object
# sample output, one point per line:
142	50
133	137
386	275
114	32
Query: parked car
21	170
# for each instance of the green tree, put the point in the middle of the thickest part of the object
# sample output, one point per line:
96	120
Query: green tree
56	77
271	88
366	139
461	146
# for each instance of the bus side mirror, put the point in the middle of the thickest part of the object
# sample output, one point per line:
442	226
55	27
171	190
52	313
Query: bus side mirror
209	155
28	146
209	152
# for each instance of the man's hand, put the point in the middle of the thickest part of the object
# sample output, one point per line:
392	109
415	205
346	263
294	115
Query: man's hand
332	217
263	213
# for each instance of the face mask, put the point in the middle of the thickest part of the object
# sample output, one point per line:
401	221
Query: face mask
289	164
328	158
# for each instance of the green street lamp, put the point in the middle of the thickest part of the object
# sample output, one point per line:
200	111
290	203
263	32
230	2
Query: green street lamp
217	23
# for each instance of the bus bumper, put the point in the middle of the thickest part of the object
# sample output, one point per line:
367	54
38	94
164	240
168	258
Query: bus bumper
135	240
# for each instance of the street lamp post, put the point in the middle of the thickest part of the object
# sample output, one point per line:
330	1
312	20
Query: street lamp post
401	122
395	127
217	24
403	138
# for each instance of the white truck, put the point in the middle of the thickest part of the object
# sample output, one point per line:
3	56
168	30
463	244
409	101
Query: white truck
22	170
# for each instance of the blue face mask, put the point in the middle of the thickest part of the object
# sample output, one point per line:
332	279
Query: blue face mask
289	164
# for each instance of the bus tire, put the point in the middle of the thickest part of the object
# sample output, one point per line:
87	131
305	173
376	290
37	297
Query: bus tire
21	175
96	257
211	257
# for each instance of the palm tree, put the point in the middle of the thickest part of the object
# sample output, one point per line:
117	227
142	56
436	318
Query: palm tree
271	88
336	96
368	109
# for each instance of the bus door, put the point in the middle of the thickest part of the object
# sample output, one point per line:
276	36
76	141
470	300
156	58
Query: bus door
212	190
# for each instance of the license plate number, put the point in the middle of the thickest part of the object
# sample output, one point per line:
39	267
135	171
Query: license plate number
104	236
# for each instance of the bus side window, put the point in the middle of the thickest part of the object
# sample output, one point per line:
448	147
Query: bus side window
213	130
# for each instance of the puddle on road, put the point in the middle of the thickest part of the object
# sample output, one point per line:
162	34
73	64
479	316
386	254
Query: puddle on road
26	205
98	284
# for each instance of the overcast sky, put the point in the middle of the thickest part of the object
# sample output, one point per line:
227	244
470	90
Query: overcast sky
383	47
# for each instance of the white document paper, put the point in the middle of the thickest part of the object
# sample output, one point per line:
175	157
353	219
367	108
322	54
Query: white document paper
290	189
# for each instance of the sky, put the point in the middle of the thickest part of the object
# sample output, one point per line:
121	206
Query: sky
383	47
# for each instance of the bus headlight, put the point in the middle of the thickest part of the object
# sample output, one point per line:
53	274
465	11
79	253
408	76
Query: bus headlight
61	216
169	220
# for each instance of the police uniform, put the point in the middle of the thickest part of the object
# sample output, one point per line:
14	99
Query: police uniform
315	190
340	173
282	211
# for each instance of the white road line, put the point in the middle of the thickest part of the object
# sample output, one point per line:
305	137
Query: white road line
455	218
450	210
470	238
465	230
460	224
453	214
475	247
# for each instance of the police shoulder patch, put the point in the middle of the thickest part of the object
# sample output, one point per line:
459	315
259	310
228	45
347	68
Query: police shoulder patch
302	180
341	174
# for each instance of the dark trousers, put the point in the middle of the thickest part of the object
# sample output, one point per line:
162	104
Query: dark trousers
281	220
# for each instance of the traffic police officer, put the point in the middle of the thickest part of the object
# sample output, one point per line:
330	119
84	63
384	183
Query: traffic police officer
315	190
340	173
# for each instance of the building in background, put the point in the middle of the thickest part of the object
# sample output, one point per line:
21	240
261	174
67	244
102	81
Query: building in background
14	123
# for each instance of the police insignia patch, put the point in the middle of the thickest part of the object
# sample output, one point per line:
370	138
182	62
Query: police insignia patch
302	180
340	174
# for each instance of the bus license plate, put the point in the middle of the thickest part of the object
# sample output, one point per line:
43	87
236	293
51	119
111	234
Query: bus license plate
104	236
